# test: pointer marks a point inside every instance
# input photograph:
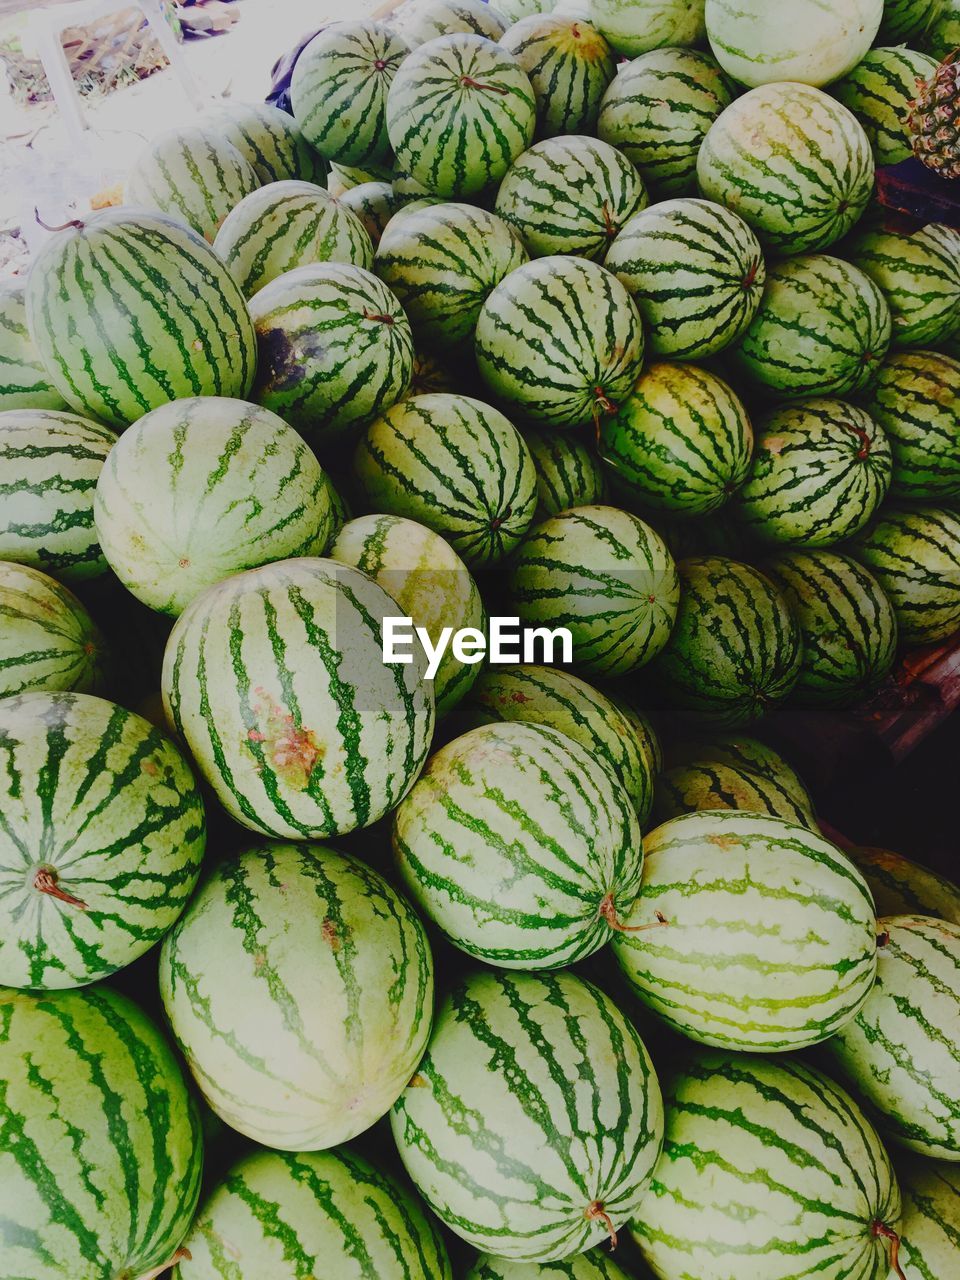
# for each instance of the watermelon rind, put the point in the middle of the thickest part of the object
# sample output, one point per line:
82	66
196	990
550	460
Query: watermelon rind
48	641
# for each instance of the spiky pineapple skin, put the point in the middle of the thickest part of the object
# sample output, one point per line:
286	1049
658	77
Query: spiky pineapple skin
934	120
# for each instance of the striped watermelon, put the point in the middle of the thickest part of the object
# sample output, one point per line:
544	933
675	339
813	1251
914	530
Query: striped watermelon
794	163
645	733
696	273
878	91
595	1265
568	473
424	20
735	650
534	1120
299	986
943	35
919	275
681	440
930	1232
339	90
48	641
271	141
428	580
49	464
192	174
520	846
201	489
743	753
23	380
457	466
823	328
707	784
344	177
565	703
569	65
286	225
130	310
442	261
658	111
560	341
900	1052
459	112
275	680
335	348
820	470
606	576
768	1169
374	203
100	851
847	625
634	26
808	41
914	554
289	1215
514	10
901	887
101	1140
709	972
916	400
907	19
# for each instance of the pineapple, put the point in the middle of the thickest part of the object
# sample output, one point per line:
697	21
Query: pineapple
933	120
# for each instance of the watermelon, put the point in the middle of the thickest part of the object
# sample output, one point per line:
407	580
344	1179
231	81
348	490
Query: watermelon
735	650
643	730
916	400
745	753
907	19
49	464
193	174
101	1140
820	470
569	65
901	887
442	261
696	273
823	328
374	204
48	641
707	784
275	680
335	348
23	380
459	112
514	10
792	162
681	440
130	310
203	488
534	1120
607	577
658	111
456	465
430	377
919	275
565	703
879	91
299	986
847	625
914	554
99	854
900	1052
634	26
428	580
339	90
424	20
286	225
559	341
943	35
808	42
271	141
595	1265
568	473
344	177
930	1231
768	1169
520	846
289	1214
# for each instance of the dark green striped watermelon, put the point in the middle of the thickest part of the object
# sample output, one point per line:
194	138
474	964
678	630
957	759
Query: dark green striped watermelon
299	986
130	310
820	469
930	1231
792	162
24	383
102	1150
510	1155
907	19
634	26
344	177
708	784
569	64
456	465
271	141
289	1215
744	753
696	273
49	464
943	35
919	275
48	641
374	203
203	488
424	20
275	680
594	1265
901	887
569	474
879	91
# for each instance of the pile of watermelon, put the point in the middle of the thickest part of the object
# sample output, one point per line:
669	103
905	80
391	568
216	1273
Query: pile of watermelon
315	964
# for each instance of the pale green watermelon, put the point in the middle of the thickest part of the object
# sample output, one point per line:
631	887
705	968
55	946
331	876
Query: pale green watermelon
634	26
569	64
48	641
930	1230
24	383
918	273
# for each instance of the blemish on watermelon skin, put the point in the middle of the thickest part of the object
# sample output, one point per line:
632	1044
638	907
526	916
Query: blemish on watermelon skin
292	751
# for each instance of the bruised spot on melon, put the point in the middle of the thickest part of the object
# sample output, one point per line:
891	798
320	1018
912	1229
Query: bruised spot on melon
417	1081
281	357
292	751
331	935
724	841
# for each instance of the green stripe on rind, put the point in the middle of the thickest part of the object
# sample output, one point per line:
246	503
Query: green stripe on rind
907	19
456	465
203	488
792	162
878	91
507	1154
741	752
48	641
299	986
271	141
707	784
101	1141
374	203
943	36
276	681
568	473
919	274
784	1154
930	1231
634	26
595	1265
430	19
134	309
569	64
901	887
23	380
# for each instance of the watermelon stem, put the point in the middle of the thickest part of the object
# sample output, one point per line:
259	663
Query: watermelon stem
881	1231
378	315
608	912
73	222
595	1210
45	881
182	1255
470	83
883	938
